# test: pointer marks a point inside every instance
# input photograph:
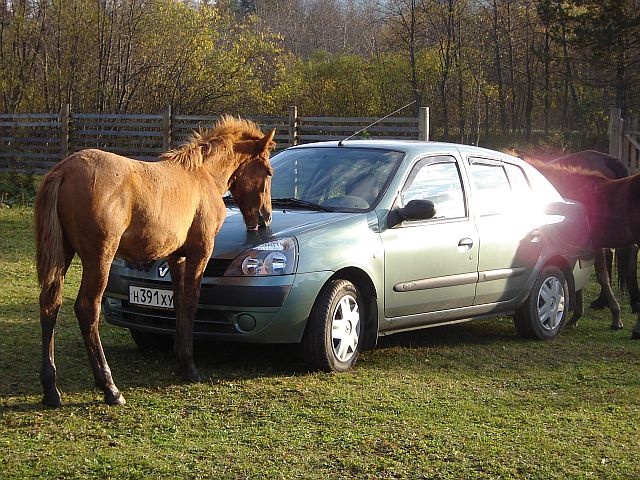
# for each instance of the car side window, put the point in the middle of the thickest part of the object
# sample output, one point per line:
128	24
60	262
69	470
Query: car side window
438	180
498	188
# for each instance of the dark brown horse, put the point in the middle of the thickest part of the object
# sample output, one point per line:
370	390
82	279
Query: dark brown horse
611	168
613	209
626	257
99	206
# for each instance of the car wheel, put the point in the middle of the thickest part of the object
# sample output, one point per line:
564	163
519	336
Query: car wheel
333	337
543	314
147	340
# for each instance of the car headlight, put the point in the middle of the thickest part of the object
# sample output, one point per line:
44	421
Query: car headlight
277	257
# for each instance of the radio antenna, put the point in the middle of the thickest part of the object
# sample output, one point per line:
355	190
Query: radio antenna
372	124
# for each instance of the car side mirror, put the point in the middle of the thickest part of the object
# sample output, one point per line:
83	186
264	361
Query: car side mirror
414	210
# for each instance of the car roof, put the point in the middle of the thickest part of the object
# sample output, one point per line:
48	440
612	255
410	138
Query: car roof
409	146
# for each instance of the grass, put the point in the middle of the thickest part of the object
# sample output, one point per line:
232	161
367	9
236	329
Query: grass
470	401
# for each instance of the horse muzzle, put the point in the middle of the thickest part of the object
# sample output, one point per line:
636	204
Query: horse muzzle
265	220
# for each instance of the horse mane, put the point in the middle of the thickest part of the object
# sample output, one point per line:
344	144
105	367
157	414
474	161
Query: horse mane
217	141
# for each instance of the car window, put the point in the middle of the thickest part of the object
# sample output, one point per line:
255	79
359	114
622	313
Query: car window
438	180
498	188
340	177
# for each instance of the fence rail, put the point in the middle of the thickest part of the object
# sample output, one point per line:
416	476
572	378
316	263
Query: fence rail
36	142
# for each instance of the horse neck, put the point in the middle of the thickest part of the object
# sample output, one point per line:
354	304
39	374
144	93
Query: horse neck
572	183
221	170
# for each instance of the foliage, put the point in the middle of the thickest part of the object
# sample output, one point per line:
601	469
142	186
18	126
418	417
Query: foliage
484	68
467	401
18	189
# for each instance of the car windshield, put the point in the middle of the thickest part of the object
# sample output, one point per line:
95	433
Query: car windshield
334	178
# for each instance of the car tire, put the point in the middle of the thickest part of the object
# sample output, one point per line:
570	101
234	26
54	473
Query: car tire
333	337
544	313
155	341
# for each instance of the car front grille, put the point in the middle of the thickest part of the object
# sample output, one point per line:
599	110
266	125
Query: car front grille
216	267
206	321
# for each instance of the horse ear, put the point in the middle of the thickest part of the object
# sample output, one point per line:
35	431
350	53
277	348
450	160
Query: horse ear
266	143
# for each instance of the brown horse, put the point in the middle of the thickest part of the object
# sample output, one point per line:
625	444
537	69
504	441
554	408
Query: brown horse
613	209
99	205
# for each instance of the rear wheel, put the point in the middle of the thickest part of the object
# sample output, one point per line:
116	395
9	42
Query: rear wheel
334	333
543	314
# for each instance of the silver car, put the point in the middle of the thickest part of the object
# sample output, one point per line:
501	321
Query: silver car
373	237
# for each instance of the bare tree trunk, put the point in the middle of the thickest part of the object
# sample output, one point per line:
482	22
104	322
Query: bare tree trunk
498	67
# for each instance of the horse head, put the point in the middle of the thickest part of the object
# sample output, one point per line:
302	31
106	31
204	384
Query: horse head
250	184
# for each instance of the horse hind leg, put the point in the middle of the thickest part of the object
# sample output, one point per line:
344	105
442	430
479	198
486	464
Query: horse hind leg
632	279
578	311
87	309
602	275
602	301
50	302
635	334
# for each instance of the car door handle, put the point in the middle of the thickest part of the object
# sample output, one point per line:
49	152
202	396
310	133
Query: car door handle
535	236
466	243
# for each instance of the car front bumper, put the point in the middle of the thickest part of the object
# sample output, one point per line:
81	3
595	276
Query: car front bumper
258	310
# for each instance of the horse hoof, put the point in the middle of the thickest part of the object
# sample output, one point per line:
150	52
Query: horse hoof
52	399
617	327
111	399
635	335
191	375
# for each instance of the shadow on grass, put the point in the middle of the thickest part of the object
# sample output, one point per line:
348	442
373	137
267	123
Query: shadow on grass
481	346
478	332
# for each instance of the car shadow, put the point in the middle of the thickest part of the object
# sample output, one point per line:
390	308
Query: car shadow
470	333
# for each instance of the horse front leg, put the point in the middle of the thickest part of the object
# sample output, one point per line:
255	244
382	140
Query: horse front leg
186	293
602	275
87	309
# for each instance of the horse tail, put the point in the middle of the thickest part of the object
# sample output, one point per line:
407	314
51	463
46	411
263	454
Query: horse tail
50	257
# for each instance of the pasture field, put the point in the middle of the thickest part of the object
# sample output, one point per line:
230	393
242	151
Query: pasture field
467	401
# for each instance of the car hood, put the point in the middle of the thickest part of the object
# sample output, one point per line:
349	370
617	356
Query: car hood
233	238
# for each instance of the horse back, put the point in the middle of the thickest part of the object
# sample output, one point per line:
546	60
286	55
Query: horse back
604	163
146	209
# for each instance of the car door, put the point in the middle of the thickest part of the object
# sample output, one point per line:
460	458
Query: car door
510	225
431	265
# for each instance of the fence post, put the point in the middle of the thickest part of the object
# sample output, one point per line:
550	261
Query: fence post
65	113
615	132
423	123
166	128
293	125
634	140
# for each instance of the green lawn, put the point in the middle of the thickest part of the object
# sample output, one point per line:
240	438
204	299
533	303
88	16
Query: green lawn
470	401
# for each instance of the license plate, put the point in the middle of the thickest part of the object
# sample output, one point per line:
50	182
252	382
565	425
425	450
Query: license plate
151	297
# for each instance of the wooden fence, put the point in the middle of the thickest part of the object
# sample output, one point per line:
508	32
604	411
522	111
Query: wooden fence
36	142
624	139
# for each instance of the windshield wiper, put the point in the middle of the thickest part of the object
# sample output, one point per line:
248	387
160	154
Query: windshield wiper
296	202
